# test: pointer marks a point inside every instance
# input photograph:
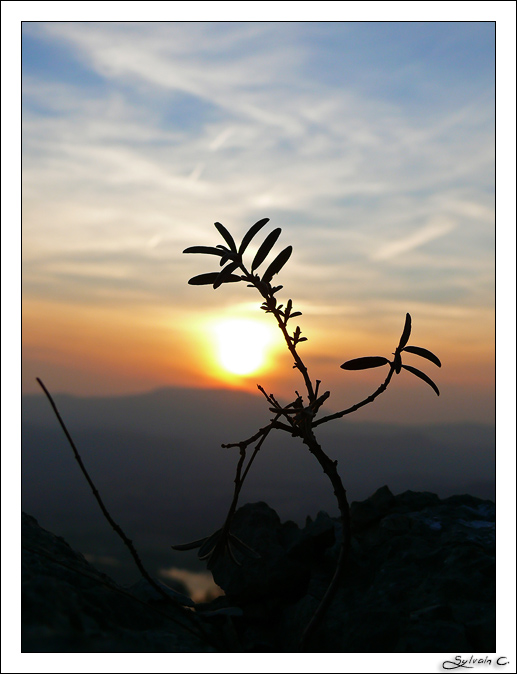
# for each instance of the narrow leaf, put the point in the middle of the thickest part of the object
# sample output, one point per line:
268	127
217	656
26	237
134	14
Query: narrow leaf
225	275
189	546
277	264
210	278
420	351
226	236
233	611
209	544
204	249
225	258
242	547
207	554
364	363
204	279
405	333
231	552
422	376
265	248
251	233
233	278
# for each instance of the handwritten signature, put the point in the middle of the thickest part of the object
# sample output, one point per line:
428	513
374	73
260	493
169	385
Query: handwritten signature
469	664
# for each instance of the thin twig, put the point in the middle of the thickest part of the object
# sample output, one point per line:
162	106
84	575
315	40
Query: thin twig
239	478
364	402
297	359
255	451
115	588
251	440
118	530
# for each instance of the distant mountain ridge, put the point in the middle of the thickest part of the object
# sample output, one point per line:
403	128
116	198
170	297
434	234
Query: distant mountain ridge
157	461
153	410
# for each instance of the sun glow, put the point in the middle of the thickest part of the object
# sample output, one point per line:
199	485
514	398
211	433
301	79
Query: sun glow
242	345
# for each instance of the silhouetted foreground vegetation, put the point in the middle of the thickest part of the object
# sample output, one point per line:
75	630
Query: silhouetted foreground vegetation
299	418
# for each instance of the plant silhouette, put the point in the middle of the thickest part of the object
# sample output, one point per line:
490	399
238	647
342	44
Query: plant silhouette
299	417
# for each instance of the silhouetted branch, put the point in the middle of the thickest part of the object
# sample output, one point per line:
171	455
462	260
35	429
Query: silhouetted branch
300	417
239	480
330	469
118	530
357	406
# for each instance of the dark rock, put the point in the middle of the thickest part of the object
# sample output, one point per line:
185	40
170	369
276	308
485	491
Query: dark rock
410	501
313	540
420	578
433	636
382	499
365	513
275	573
436	612
69	606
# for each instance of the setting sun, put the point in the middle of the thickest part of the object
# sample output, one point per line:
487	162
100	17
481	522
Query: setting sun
242	345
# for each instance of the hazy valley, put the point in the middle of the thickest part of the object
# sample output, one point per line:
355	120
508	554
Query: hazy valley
157	461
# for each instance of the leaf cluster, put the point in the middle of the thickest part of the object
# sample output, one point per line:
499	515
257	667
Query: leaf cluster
368	362
217	544
232	259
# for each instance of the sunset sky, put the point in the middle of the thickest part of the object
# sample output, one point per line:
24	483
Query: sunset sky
371	144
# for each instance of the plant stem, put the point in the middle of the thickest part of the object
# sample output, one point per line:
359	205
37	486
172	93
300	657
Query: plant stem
282	325
299	362
329	467
239	479
364	402
303	426
118	530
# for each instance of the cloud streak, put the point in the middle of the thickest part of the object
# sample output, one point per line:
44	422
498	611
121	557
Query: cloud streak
429	232
374	155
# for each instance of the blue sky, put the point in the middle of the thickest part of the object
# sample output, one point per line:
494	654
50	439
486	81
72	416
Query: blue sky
370	143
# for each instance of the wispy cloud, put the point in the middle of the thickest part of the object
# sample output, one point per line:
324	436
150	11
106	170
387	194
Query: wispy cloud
372	147
433	230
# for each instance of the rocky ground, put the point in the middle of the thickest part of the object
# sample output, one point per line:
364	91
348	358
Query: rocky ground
420	578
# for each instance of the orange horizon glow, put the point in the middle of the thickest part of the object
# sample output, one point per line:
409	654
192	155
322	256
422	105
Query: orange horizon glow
96	351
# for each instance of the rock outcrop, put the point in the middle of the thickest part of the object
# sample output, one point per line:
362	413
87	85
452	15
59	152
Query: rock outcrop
70	607
420	578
